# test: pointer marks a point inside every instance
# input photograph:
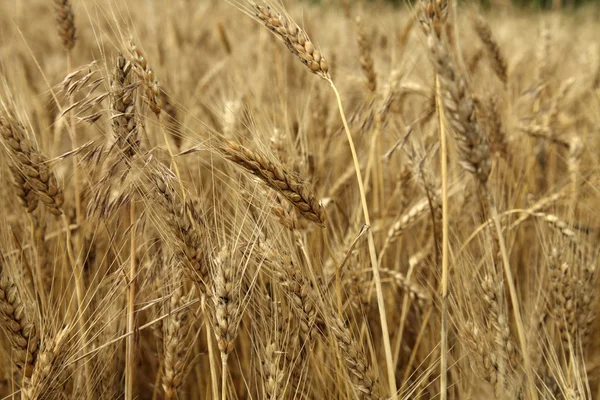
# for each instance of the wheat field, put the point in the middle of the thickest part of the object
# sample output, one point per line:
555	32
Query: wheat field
336	200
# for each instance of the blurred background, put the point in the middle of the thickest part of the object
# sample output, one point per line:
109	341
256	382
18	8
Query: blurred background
532	4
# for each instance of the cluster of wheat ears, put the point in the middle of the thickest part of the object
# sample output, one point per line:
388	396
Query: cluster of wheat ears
404	207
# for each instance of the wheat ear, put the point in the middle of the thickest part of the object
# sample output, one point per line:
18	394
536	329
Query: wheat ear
475	158
65	23
296	192
176	338
498	61
22	333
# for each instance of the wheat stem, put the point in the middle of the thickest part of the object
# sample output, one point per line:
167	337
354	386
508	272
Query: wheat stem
211	354
372	252
514	300
445	247
76	244
224	378
129	360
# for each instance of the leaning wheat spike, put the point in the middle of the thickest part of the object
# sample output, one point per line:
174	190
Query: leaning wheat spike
296	192
498	327
65	22
145	73
123	118
273	374
49	372
188	233
366	58
294	38
29	168
493	49
403	222
414	290
297	288
359	368
566	232
460	112
176	338
16	323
